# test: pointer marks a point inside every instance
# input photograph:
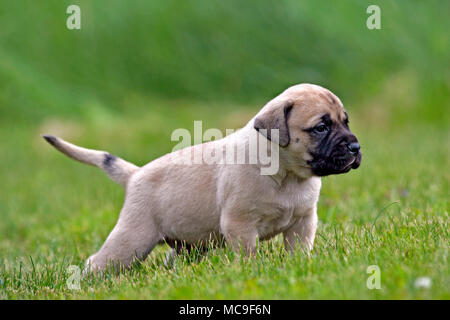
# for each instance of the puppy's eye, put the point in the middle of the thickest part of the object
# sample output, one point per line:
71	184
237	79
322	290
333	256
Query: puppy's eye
321	128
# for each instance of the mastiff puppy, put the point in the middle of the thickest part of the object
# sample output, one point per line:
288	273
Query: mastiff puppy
195	204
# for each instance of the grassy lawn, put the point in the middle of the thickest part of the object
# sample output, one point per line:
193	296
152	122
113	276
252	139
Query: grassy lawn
392	212
137	71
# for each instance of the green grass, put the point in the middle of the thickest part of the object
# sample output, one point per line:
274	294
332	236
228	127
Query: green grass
138	70
392	212
215	50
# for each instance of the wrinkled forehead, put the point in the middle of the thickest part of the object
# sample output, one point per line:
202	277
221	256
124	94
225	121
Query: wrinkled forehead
314	102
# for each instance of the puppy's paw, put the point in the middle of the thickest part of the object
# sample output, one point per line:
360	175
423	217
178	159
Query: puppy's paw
170	258
91	266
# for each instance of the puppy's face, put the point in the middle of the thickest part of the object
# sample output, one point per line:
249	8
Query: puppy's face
314	129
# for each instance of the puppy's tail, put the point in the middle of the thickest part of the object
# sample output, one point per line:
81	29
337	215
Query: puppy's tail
117	169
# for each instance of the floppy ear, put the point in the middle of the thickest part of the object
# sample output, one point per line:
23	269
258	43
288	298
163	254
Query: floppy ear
275	118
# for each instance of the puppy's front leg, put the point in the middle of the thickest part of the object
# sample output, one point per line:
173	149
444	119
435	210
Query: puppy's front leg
302	233
239	232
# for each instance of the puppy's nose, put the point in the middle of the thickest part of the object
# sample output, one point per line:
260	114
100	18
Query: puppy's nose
354	147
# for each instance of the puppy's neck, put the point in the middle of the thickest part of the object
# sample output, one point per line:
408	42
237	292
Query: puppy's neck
290	166
289	172
281	178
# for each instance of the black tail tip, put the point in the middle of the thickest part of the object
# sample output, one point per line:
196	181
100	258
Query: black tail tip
50	139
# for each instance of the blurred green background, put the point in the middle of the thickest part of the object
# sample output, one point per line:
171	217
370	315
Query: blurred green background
232	51
139	69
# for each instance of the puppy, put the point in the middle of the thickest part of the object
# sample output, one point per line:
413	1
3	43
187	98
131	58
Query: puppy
195	204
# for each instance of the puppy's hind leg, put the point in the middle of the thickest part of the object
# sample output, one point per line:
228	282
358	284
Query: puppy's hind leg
132	239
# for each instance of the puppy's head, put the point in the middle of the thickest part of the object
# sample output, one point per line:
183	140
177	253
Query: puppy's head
313	130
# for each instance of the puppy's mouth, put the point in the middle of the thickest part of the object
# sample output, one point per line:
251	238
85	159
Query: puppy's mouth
348	166
343	166
335	165
357	161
